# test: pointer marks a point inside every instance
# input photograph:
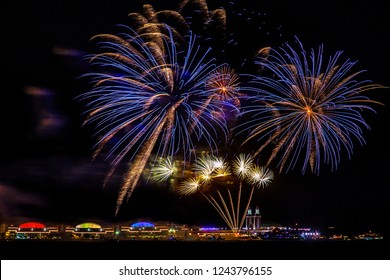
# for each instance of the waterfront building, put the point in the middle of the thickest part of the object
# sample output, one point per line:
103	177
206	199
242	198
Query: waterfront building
163	230
253	219
30	230
91	231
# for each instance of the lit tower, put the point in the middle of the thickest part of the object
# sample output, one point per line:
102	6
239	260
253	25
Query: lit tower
257	218
253	219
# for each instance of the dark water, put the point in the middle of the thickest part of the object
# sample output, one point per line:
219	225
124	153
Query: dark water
213	250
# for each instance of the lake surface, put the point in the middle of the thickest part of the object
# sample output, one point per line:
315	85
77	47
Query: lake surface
213	250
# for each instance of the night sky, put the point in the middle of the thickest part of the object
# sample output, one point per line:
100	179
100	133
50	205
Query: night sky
46	168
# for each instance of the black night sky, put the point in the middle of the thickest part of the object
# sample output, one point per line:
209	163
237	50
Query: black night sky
46	171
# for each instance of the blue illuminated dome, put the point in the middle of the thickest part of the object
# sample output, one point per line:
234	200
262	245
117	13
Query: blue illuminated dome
142	224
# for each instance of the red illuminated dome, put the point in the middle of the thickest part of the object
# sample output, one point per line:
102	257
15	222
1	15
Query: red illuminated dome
32	225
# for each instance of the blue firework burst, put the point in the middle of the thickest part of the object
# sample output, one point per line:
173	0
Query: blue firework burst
149	97
307	109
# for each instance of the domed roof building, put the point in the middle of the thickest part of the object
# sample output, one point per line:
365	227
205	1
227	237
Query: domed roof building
89	230
88	227
32	225
31	230
143	225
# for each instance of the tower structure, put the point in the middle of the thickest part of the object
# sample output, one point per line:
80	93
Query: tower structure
253	219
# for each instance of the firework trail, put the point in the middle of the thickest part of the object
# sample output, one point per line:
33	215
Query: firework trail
153	25
199	12
308	109
146	98
212	174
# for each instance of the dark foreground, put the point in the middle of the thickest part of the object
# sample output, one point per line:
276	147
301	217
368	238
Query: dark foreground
215	250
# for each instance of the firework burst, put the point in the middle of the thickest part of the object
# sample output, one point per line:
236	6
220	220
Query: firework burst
308	110
163	169
147	98
260	176
242	165
211	176
224	83
189	186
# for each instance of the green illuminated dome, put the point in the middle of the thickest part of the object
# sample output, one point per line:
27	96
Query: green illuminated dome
88	225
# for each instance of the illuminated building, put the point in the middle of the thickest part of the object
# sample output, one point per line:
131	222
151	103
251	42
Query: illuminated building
147	230
30	230
143	230
253	220
90	231
283	232
369	236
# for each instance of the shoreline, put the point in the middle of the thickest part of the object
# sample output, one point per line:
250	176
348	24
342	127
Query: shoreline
190	249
